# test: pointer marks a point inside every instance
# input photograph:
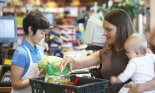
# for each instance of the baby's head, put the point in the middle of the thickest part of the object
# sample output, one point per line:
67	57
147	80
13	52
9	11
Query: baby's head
135	46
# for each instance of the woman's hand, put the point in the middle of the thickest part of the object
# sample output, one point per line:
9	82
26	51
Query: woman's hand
67	61
45	46
134	88
149	51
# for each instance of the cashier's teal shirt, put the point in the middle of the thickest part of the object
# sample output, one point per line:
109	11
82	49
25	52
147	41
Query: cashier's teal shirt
21	58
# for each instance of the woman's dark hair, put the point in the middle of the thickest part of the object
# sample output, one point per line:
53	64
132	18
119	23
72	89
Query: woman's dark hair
124	25
36	20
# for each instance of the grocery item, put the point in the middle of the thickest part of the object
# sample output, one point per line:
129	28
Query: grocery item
53	69
48	59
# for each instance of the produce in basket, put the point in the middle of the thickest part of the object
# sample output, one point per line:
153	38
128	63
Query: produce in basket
59	79
50	59
50	65
53	69
54	75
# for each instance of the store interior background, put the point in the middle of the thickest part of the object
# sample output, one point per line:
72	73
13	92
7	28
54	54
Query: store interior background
70	32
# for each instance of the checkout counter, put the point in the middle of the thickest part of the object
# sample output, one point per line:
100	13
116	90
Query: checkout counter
5	74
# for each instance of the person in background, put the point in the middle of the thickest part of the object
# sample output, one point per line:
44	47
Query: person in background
29	53
118	27
150	85
140	67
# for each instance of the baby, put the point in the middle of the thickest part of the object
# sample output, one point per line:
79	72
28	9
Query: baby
140	68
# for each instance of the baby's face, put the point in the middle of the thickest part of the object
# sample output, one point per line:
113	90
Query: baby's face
129	51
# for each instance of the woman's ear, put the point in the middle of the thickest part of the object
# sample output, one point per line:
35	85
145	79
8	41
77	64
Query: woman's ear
30	30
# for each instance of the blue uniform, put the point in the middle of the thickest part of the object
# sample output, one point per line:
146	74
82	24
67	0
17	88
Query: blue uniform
21	58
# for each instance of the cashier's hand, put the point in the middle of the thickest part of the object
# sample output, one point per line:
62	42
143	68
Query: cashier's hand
67	61
41	72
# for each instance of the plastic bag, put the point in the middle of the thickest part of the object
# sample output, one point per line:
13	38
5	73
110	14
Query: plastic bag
53	69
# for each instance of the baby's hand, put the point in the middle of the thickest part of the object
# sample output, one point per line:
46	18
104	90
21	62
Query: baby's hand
114	80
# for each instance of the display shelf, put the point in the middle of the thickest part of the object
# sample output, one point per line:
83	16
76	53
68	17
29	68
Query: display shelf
81	4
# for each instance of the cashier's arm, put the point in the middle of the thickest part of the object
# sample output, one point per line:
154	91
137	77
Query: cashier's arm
16	74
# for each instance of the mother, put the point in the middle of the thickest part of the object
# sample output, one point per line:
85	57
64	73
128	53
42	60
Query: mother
118	27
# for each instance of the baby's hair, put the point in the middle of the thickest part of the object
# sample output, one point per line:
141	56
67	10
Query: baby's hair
137	42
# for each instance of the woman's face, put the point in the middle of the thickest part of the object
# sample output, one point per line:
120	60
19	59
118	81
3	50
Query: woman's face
110	32
40	34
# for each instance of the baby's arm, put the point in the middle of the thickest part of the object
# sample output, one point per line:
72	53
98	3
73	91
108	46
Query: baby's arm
115	80
128	72
125	75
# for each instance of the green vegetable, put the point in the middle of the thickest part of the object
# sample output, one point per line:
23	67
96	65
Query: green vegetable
50	59
53	69
58	79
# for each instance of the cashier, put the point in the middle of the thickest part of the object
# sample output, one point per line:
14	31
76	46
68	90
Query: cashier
29	53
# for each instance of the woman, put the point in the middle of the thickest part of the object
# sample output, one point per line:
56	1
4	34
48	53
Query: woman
26	57
118	27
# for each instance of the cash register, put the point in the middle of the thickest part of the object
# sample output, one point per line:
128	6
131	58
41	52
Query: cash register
8	35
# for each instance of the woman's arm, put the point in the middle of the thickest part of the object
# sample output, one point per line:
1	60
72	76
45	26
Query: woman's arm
88	61
16	74
139	88
84	62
